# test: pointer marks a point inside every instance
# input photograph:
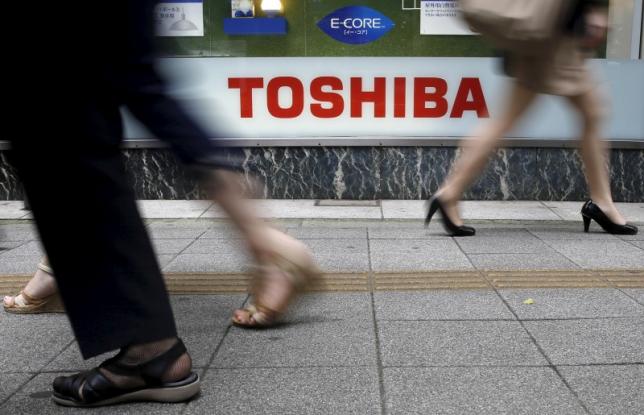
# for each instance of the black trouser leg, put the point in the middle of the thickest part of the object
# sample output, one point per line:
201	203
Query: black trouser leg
96	241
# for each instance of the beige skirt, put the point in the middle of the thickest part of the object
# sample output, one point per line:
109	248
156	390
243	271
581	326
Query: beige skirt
561	72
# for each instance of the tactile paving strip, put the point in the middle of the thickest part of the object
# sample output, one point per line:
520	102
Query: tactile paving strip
218	283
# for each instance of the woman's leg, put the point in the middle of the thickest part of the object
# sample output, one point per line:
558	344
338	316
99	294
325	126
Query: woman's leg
594	153
275	288
476	151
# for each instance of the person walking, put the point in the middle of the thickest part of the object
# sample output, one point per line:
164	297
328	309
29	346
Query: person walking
559	71
65	134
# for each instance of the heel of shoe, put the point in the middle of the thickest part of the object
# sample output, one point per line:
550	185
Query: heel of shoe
586	223
54	305
433	207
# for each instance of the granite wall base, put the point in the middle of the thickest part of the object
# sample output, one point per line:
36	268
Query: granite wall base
378	173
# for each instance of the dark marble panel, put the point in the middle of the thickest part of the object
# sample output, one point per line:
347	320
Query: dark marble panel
361	174
157	174
627	175
312	173
416	172
376	173
560	175
413	172
509	175
292	173
10	187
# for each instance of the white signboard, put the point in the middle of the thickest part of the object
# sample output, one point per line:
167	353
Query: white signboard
379	97
441	17
242	8
179	18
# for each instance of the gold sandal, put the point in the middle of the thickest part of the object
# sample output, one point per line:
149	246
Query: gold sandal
298	265
30	305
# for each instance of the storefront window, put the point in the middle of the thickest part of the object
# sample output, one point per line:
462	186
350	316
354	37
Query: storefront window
333	71
304	38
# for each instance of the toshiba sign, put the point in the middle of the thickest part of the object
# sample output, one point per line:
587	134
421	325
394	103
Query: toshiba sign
291	98
325	100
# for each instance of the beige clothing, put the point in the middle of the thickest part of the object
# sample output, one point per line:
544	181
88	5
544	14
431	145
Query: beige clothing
561	72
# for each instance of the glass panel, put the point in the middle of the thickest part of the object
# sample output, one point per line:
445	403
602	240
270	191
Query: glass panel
622	17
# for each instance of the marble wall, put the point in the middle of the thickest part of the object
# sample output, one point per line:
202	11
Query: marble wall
378	173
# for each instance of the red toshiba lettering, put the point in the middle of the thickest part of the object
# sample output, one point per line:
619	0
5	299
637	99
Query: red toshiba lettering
333	98
273	100
328	100
400	96
437	97
377	96
462	102
246	86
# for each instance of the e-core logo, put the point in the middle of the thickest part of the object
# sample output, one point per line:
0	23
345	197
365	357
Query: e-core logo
356	25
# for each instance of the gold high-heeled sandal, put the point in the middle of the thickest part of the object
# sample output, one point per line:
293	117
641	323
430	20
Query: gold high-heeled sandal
298	265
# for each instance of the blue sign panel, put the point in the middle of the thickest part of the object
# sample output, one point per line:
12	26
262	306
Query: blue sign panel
356	25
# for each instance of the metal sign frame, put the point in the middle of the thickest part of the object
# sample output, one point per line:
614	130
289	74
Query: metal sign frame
638	28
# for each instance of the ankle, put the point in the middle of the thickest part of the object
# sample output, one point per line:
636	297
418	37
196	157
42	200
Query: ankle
606	206
41	285
447	197
179	370
142	353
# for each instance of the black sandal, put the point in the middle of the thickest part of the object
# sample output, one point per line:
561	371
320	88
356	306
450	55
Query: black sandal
92	388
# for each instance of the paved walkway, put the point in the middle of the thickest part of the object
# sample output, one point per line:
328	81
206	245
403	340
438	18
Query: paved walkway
347	209
512	236
387	341
448	352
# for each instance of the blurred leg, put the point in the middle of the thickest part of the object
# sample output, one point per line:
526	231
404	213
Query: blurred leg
476	151
594	153
276	284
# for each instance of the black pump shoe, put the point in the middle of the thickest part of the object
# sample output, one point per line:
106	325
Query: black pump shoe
591	211
451	228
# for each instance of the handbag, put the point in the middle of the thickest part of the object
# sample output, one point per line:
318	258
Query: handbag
522	26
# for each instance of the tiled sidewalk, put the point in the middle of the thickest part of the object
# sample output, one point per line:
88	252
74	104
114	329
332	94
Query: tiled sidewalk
380	246
451	352
483	351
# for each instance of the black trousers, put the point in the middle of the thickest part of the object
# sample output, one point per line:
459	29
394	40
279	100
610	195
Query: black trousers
65	128
72	169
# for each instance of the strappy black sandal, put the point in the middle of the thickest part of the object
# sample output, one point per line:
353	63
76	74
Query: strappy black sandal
92	388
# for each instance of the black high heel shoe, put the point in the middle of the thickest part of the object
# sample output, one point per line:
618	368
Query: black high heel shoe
591	211
451	228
